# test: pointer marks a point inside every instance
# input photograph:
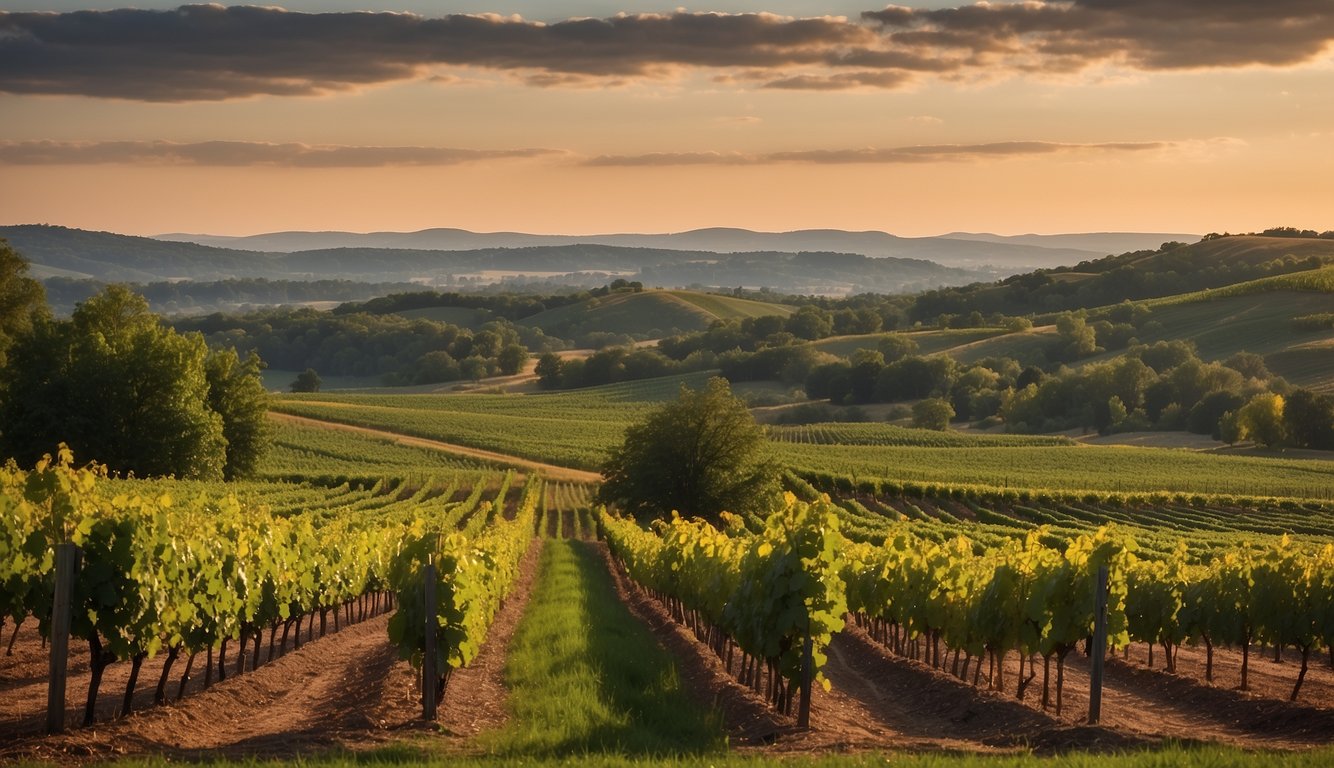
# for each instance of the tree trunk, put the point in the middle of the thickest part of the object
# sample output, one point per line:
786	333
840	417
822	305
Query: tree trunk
9	650
1024	682
1306	656
98	662
208	669
160	696
240	653
1245	663
1208	659
185	678
222	660
135	665
1060	678
1046	680
259	638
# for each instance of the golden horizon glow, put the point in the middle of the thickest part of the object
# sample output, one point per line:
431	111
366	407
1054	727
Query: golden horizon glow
1126	141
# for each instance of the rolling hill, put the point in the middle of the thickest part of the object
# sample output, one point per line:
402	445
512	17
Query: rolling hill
649	314
1256	316
958	249
107	256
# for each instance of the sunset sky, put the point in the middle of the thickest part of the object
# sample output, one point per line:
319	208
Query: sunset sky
591	116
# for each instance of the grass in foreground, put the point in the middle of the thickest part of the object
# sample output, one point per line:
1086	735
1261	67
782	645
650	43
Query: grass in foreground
586	677
1169	757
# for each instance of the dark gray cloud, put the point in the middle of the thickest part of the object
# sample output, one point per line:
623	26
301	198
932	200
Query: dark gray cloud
1142	34
208	52
913	154
244	153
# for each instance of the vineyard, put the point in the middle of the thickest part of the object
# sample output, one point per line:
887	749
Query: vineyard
189	570
862	593
578	429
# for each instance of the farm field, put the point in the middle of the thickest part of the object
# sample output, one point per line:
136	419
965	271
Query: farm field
576	429
581	663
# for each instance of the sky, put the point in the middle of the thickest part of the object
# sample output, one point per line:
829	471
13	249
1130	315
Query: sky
592	116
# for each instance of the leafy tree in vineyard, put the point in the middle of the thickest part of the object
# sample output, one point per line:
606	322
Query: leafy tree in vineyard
236	392
700	455
120	387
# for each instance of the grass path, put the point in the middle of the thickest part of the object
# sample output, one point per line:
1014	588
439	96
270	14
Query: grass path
586	677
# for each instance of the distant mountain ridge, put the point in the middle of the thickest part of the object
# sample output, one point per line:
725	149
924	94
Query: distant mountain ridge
959	249
72	253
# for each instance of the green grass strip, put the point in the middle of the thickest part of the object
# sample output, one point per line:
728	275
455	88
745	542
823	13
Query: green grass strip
586	677
1168	757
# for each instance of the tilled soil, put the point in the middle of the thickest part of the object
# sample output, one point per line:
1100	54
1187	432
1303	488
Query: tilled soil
1147	705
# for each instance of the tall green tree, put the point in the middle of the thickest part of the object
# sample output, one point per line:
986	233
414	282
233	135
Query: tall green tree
116	385
22	299
236	393
699	455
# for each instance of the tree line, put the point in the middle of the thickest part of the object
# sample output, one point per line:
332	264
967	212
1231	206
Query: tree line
119	386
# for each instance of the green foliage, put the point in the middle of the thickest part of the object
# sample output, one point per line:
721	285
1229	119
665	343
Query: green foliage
932	413
473	576
1308	419
767	591
235	393
115	384
698	455
307	381
22	299
1261	419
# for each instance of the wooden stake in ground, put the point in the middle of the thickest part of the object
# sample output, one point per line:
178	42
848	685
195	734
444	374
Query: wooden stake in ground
1099	649
67	565
430	677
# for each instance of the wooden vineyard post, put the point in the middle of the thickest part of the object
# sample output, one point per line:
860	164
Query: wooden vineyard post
1099	646
807	674
67	565
430	676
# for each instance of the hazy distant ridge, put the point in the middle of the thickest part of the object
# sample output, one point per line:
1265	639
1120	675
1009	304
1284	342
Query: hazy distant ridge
955	249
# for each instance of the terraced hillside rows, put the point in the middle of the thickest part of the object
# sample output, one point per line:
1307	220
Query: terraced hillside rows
578	428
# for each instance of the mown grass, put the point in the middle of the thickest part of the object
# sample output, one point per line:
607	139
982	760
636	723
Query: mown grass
587	677
1169	757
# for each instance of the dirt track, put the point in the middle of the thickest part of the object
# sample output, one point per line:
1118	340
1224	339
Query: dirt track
549	470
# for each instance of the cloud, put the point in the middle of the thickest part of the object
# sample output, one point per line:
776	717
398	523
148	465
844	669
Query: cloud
208	52
245	154
1139	34
912	154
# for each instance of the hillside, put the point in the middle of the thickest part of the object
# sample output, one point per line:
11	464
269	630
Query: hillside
1256	316
60	251
1174	270
958	249
104	256
649	314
